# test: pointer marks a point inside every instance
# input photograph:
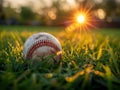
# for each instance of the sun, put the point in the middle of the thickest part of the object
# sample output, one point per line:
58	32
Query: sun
80	18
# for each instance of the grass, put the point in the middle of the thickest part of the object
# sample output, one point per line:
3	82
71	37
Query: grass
90	60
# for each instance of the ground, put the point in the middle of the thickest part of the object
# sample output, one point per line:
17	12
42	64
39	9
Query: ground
90	60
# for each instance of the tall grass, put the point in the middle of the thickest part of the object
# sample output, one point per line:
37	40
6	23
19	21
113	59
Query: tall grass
90	60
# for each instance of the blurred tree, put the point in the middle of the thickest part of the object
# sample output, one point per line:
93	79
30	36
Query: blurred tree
110	7
60	11
10	12
85	3
2	14
53	14
1	6
57	11
118	9
27	14
12	16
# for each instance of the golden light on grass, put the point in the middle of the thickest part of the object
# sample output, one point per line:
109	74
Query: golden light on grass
82	23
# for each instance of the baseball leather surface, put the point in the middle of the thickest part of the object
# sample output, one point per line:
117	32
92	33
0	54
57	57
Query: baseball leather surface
42	45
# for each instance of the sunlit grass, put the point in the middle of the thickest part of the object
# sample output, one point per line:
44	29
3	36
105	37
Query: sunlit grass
90	60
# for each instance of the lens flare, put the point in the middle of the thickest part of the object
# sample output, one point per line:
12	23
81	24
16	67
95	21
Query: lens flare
80	19
79	30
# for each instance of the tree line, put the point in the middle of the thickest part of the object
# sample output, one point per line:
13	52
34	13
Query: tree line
54	14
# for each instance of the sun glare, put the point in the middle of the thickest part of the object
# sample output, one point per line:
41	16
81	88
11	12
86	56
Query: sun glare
80	18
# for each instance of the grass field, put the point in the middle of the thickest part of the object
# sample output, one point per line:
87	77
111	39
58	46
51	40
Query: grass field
90	60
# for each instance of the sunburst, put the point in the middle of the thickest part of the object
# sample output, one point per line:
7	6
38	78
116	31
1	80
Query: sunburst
82	19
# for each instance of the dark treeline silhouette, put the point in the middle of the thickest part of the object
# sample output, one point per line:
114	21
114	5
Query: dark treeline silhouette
55	15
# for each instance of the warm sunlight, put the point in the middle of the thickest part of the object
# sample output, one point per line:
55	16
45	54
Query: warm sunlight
80	18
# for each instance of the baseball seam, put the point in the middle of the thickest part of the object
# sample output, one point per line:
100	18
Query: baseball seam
38	44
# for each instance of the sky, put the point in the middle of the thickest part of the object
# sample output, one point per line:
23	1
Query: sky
37	4
17	3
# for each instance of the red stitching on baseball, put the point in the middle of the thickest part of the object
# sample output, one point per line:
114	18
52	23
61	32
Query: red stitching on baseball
40	44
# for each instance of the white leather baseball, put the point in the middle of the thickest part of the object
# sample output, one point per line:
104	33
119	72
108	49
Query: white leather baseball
41	45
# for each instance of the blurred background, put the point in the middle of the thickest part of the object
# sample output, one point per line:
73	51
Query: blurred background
106	13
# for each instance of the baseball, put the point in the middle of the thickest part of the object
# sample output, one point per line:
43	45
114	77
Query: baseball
42	45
